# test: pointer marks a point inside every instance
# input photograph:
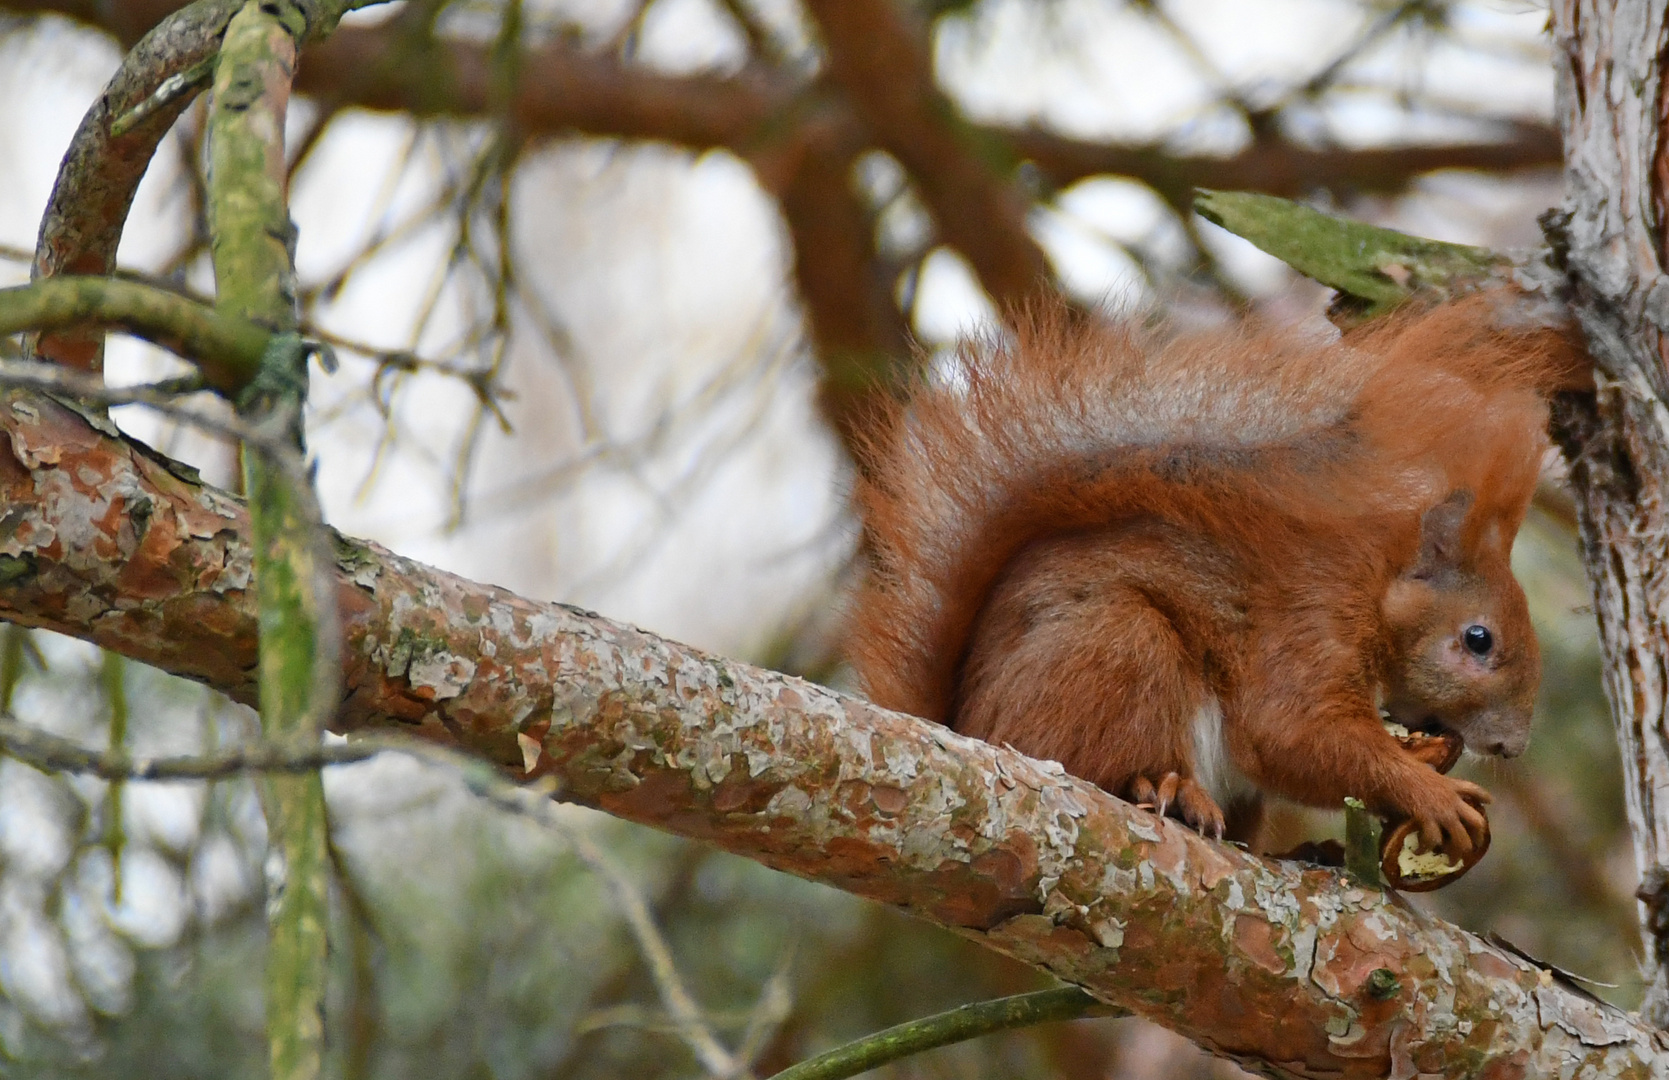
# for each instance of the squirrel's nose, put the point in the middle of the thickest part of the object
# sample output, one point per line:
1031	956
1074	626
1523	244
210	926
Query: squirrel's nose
1509	747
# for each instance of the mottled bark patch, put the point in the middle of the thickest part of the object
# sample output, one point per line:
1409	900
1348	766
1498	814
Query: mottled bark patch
1262	961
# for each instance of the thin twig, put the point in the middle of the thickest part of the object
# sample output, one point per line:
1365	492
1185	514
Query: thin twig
943	1029
762	42
164	397
53	753
680	1006
776	1002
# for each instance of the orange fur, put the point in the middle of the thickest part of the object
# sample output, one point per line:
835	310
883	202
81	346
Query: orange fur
1133	553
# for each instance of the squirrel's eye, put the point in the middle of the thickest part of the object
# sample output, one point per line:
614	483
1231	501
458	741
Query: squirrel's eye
1477	639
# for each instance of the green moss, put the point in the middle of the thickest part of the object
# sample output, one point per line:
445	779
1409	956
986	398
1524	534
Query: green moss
226	347
352	555
1383	984
16	568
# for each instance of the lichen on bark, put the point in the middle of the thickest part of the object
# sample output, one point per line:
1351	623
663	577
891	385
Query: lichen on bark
227	349
252	244
1259	960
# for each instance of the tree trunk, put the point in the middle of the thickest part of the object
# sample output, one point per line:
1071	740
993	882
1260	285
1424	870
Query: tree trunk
1611	105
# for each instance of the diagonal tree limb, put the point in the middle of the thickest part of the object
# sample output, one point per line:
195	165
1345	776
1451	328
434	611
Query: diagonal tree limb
880	60
1261	961
54	754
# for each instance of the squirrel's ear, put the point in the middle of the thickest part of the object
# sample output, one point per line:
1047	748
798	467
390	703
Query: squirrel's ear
1440	535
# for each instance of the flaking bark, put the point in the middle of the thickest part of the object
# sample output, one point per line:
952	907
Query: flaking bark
1611	107
1266	962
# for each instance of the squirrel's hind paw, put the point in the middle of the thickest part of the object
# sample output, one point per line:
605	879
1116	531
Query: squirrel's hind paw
1180	797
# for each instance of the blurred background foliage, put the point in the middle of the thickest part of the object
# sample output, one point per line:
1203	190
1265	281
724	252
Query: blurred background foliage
605	346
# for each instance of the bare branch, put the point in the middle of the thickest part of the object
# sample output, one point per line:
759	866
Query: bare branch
164	397
1280	167
860	333
881	62
226	347
680	1006
802	141
53	754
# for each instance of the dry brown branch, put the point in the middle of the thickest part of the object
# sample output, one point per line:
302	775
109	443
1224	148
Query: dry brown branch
1281	167
859	332
802	141
880	60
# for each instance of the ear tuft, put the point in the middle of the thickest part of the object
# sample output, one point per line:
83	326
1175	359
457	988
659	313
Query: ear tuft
1440	535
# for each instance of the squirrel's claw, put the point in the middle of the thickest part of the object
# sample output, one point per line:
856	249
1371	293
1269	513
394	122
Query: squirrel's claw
1455	820
1167	792
1180	797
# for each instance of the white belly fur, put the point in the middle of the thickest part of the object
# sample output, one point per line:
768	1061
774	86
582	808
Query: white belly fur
1213	769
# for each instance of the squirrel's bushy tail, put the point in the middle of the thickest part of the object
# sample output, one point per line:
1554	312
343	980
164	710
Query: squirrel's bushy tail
1066	424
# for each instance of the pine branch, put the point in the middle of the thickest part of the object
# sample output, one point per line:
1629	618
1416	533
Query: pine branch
1274	960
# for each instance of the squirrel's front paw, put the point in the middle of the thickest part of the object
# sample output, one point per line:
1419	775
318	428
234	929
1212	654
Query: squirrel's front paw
1447	812
1181	797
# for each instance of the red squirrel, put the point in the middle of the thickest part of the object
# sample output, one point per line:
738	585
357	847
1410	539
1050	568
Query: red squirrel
1194	567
